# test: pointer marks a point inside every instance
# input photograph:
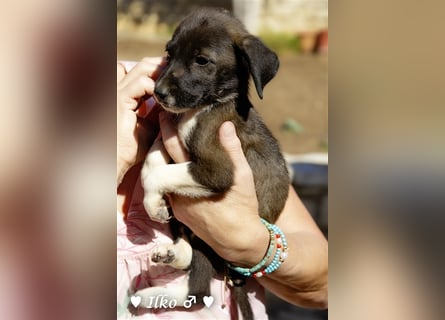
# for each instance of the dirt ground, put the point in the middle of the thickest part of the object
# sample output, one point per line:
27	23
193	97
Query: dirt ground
299	92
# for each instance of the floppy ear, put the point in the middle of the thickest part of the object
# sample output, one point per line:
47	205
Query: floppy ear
263	62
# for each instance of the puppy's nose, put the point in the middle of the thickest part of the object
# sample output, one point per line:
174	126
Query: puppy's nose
161	92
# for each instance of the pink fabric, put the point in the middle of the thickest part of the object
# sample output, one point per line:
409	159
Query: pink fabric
136	237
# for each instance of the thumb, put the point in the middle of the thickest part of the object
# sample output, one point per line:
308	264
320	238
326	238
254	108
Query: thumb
232	144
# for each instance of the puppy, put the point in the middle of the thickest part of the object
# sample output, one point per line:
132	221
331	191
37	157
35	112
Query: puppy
211	57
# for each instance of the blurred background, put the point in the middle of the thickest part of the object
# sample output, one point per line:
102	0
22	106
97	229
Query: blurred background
295	104
387	173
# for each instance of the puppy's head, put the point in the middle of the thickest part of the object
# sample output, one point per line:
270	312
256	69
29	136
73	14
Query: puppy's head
210	57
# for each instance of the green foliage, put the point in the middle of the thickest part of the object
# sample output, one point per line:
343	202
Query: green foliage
282	42
324	144
292	125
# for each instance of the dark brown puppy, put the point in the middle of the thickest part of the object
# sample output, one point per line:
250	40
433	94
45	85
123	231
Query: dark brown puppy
210	59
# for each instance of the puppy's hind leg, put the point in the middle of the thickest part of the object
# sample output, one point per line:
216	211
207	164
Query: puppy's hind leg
178	255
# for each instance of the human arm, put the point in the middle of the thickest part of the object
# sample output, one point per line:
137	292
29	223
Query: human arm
137	122
137	117
231	226
303	278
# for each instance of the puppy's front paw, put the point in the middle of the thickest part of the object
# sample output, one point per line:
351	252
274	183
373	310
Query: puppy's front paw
154	203
162	214
156	207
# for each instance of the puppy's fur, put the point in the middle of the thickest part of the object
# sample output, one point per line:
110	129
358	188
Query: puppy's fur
210	59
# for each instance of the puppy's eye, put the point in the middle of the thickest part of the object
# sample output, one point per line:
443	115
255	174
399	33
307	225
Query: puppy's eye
201	60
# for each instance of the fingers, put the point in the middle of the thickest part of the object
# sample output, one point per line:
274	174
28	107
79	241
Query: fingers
138	84
133	92
232	144
147	67
128	65
146	107
171	139
120	72
228	139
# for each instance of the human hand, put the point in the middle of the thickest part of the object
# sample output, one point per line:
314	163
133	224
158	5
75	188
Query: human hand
228	223
137	112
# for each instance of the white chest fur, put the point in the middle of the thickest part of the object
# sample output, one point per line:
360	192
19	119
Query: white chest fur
188	122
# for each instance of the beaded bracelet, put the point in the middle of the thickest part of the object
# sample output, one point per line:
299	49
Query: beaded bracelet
248	272
280	253
277	241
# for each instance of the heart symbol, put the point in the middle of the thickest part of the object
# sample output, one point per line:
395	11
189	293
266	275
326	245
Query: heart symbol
208	301
135	301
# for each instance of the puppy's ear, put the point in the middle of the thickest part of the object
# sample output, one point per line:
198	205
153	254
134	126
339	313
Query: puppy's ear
263	62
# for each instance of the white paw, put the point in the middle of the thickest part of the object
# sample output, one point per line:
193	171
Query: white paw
156	207
177	255
165	254
154	203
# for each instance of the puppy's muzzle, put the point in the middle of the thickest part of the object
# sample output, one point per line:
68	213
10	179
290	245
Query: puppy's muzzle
164	97
161	93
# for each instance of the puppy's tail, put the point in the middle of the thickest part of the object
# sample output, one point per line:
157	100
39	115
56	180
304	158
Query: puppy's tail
242	300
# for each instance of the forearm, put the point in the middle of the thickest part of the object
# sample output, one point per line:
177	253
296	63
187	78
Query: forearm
121	171
302	278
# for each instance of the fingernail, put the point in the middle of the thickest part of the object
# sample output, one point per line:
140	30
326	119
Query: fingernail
128	65
228	129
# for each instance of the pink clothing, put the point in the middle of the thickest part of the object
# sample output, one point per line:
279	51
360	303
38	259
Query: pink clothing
137	235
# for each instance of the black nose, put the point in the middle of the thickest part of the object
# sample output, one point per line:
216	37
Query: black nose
161	92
